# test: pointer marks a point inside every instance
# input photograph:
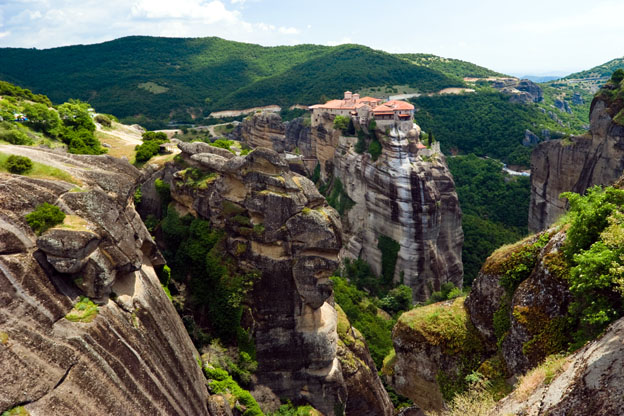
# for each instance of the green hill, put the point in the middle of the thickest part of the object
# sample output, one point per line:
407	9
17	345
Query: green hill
601	71
449	66
153	80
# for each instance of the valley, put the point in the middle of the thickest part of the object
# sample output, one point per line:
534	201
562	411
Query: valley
326	252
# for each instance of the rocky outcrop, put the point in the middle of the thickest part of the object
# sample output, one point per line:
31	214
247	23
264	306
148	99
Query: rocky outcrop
576	163
521	90
525	318
129	355
317	144
263	129
408	195
366	394
279	226
592	383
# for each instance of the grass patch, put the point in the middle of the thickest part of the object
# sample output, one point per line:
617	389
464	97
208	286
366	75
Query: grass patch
16	411
41	171
552	366
74	222
445	324
118	147
84	311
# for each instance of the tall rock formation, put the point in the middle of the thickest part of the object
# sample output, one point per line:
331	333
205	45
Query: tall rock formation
278	225
130	356
408	195
576	163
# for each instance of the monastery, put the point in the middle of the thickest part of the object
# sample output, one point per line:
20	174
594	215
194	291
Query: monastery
365	109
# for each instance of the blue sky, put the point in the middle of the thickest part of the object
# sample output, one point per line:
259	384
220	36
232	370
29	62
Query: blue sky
528	37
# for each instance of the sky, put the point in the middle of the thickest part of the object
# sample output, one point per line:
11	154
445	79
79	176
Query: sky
532	37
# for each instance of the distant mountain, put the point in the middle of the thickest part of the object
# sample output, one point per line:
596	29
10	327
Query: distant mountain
540	78
154	80
449	66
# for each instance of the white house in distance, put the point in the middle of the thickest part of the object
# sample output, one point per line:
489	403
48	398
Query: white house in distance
364	109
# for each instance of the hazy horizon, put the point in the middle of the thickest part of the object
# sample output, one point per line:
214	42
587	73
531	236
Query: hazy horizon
537	39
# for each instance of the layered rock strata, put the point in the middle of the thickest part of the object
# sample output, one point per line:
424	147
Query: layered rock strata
132	354
279	226
408	195
591	383
576	163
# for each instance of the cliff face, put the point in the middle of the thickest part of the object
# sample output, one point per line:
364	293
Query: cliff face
592	383
577	163
132	356
526	319
313	143
278	225
408	195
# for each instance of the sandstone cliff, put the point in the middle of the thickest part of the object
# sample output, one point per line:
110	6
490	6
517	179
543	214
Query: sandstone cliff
132	354
591	383
576	163
407	195
278	225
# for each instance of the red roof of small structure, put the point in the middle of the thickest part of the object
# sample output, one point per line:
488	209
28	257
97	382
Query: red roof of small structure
420	146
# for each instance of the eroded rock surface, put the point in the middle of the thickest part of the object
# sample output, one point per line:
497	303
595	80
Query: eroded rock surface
134	355
592	383
576	163
409	195
366	393
279	226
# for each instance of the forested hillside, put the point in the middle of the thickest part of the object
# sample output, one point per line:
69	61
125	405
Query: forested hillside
155	80
449	66
484	123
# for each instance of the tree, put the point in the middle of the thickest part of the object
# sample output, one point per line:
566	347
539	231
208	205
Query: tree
44	216
18	164
341	122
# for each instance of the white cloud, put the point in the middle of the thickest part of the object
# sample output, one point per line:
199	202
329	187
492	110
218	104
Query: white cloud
342	41
38	23
288	30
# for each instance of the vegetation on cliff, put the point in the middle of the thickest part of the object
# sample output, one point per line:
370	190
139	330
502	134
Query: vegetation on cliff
27	118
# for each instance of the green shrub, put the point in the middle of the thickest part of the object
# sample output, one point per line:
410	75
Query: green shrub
156	136
104	120
18	164
389	254
84	311
617	76
363	315
45	216
15	136
220	382
137	196
338	198
360	146
447	291
595	250
316	175
374	148
341	122
223	144
397	300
